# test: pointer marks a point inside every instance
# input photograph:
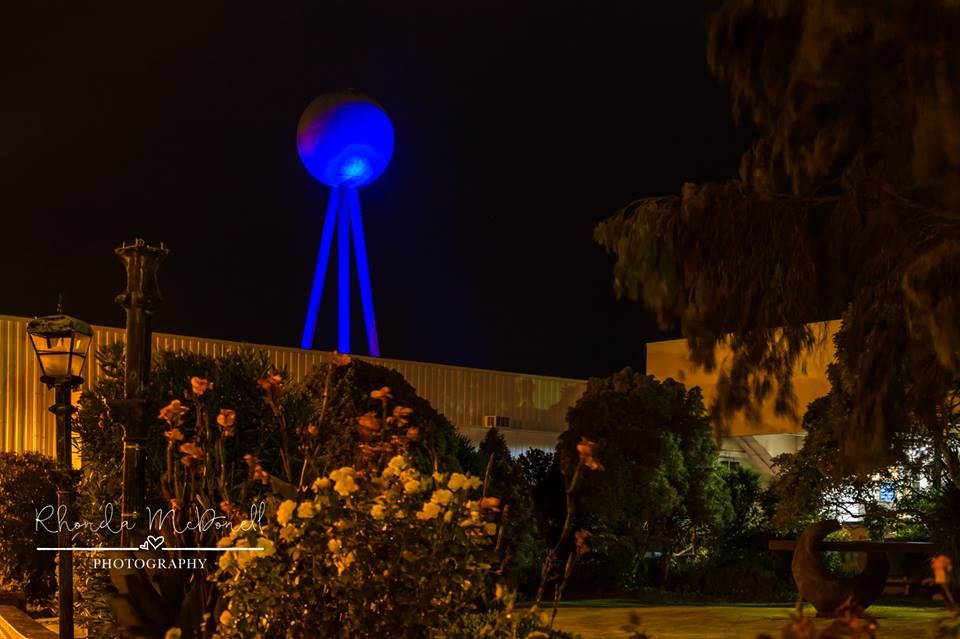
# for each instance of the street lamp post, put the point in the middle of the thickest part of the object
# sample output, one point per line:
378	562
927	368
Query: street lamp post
61	344
140	299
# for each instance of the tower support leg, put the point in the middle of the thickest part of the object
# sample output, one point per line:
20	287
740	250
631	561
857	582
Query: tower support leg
320	272
363	273
343	274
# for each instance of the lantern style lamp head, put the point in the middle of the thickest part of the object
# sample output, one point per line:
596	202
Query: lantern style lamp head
61	343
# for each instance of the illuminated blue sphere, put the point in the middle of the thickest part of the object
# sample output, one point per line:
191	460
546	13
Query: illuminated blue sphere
345	139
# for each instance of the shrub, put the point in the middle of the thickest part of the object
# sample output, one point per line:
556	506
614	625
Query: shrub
523	539
661	492
363	555
27	481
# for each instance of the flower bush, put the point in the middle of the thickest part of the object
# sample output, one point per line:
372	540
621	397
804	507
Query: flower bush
359	476
363	554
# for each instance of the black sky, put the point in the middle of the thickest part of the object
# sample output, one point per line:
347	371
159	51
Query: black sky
519	126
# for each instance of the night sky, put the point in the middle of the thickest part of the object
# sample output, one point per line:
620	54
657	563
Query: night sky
519	126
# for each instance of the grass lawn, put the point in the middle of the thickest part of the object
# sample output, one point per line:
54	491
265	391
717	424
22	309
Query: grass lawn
599	619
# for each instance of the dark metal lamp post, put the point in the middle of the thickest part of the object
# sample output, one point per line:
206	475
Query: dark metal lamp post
61	344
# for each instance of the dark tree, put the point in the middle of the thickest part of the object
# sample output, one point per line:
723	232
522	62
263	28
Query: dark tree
522	536
847	205
660	489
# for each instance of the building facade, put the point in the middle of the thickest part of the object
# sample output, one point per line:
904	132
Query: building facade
752	443
535	406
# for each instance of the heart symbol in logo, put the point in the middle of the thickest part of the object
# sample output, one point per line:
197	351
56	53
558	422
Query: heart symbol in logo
152	543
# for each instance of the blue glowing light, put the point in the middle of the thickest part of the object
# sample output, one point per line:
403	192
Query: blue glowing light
363	273
345	139
320	272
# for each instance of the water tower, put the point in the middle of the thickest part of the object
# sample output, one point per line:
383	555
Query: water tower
345	140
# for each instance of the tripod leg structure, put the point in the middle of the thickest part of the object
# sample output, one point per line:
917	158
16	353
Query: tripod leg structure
320	273
343	216
343	275
363	272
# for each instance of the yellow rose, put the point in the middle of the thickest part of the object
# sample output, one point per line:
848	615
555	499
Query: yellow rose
226	560
340	473
457	481
442	497
320	484
305	510
226	618
285	512
411	487
334	545
243	557
344	562
289	532
377	511
267	545
430	511
448	517
345	485
473	483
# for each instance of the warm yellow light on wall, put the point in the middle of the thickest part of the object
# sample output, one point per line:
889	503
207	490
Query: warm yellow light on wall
670	359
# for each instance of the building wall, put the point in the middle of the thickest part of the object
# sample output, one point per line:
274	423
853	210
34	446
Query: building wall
535	404
669	359
753	444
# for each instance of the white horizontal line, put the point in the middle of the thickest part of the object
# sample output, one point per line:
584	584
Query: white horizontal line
73	549
217	549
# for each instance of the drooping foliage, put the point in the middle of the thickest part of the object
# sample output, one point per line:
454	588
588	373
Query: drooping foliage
847	205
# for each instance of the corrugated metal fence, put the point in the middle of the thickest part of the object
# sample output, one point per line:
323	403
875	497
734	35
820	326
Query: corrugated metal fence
464	395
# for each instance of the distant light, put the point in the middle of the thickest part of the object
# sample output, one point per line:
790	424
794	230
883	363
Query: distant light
345	139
